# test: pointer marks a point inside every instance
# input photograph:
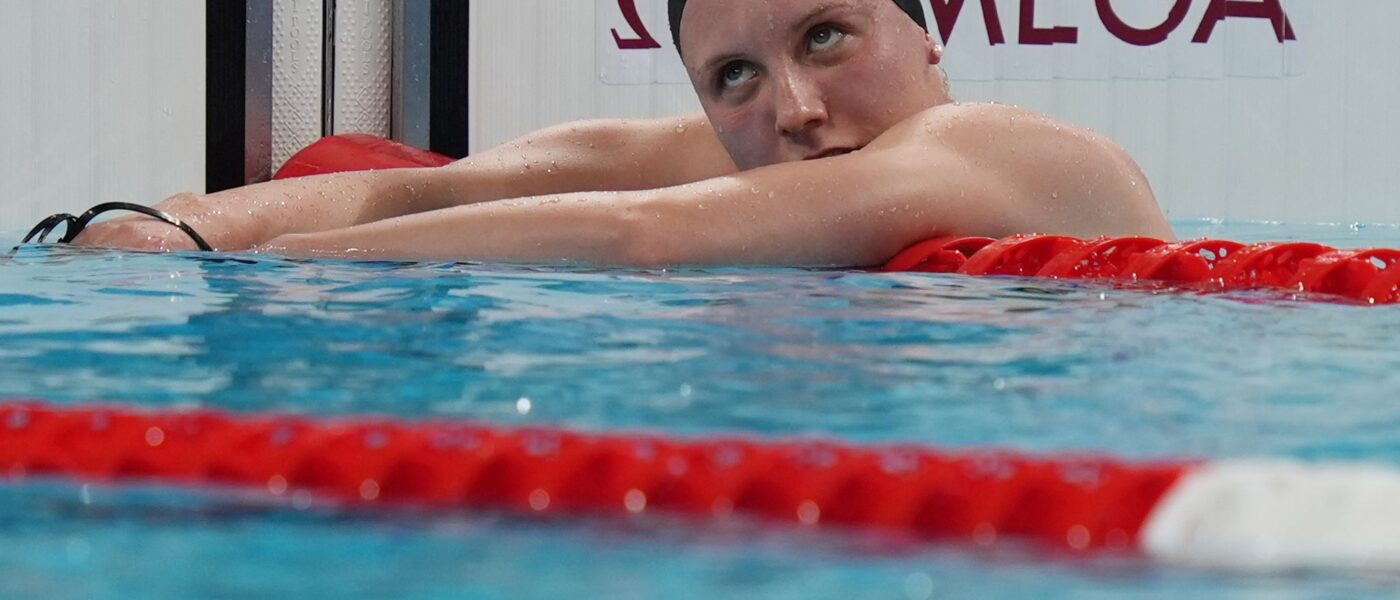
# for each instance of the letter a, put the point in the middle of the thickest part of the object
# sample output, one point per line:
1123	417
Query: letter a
1219	10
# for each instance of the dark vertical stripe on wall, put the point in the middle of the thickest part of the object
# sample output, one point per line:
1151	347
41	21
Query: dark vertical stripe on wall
225	57
451	31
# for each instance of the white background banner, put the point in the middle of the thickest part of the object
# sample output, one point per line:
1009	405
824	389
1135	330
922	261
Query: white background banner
1034	39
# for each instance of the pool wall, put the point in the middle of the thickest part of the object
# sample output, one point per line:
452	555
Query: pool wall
1242	127
101	101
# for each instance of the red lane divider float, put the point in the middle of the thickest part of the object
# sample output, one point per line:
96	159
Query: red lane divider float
1368	276
1255	515
1076	502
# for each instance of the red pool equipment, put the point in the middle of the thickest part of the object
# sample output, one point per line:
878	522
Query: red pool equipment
1245	514
1191	261
1077	502
356	152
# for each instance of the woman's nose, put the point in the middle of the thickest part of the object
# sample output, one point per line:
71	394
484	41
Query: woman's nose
800	105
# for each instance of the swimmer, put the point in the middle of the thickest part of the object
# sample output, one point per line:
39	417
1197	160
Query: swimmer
828	137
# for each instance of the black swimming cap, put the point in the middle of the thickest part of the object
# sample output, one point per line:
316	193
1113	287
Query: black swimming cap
913	8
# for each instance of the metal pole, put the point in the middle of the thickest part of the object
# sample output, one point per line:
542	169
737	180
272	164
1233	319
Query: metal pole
328	70
257	145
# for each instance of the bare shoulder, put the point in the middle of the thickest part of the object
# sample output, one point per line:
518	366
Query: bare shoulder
1033	172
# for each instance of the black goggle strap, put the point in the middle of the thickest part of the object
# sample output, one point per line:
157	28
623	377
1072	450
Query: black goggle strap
76	225
46	226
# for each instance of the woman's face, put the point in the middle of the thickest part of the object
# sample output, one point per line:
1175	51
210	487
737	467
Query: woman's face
789	80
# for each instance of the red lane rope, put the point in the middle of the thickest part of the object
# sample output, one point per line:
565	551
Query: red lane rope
1368	276
1075	502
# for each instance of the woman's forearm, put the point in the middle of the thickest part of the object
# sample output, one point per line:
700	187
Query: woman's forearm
788	214
584	156
243	217
595	228
611	155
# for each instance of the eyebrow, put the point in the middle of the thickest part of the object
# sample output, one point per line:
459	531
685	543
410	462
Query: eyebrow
800	25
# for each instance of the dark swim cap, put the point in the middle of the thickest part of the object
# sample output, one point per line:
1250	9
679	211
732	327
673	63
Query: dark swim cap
913	8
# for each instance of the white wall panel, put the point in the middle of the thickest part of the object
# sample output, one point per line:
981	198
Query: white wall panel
362	71
534	64
1242	128
297	73
363	57
101	101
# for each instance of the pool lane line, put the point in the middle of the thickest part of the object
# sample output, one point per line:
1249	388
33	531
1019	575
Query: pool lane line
1248	515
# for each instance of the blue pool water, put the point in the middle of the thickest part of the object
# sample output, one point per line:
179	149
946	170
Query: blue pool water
939	360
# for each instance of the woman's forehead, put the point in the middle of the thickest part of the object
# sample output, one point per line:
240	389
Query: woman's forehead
725	19
712	24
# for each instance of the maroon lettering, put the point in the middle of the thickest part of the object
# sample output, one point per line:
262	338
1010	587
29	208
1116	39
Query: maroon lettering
644	39
1219	10
945	13
1142	37
1038	36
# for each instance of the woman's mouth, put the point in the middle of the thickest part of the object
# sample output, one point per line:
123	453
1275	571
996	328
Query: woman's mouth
831	152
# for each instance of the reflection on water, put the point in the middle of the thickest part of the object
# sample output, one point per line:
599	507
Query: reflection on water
946	360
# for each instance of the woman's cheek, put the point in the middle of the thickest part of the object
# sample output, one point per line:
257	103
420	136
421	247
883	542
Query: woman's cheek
749	142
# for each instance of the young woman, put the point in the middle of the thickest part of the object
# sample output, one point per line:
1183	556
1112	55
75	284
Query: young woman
828	138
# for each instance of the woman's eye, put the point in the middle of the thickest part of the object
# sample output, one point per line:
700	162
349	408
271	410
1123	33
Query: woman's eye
823	37
735	74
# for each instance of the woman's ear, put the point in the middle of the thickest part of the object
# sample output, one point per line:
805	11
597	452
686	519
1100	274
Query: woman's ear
935	50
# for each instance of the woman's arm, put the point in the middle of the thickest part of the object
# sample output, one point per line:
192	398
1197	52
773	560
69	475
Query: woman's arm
589	155
816	213
961	170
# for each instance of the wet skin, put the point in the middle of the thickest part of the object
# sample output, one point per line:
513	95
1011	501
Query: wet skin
829	138
794	79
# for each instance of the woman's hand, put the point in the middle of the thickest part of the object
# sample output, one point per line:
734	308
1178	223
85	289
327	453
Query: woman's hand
139	232
222	229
